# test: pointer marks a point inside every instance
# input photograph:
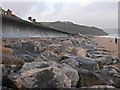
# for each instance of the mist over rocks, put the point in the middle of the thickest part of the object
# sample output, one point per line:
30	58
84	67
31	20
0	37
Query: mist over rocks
67	62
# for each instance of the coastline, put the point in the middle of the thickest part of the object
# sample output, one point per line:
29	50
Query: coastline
110	36
108	42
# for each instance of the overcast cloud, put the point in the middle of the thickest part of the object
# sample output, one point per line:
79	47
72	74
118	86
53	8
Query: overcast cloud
87	12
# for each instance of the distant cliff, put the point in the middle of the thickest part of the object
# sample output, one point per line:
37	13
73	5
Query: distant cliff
75	28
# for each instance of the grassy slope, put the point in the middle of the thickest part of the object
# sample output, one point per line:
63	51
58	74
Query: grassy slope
74	28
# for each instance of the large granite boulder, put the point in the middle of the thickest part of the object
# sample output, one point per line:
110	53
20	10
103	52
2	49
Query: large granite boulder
39	75
66	69
105	60
71	73
81	62
79	51
114	73
33	65
65	44
102	77
87	63
89	78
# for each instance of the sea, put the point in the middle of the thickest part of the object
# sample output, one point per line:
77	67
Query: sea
112	33
112	36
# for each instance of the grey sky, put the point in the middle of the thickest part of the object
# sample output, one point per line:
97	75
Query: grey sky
100	14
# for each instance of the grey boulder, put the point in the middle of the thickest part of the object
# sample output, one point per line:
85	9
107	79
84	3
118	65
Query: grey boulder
40	75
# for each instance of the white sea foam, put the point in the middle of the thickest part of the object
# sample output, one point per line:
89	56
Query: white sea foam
110	36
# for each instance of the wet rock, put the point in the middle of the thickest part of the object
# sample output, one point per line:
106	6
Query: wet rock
32	76
79	51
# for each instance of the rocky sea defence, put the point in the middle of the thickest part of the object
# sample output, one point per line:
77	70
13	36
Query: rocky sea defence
74	62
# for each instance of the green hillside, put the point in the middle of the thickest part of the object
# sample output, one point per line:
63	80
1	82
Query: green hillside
74	28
